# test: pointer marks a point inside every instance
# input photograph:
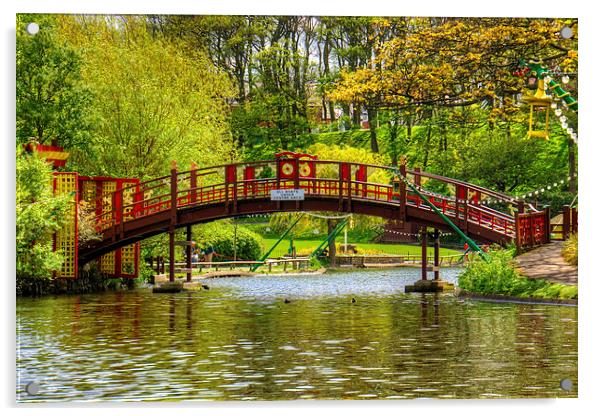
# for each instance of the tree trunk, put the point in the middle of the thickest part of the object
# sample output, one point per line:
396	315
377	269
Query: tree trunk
326	63
357	115
346	112
331	111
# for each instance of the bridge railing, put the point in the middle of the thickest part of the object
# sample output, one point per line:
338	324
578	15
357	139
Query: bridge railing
229	183
532	229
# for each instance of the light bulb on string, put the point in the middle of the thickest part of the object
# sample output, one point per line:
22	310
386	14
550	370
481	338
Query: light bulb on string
570	131
565	79
562	119
554	105
558	112
564	125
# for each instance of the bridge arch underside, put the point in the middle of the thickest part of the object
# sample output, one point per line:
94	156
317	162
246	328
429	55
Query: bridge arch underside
155	224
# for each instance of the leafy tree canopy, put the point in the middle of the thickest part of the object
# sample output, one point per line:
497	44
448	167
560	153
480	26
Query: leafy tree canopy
52	99
154	100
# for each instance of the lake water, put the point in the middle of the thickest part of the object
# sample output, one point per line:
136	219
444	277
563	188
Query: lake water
241	341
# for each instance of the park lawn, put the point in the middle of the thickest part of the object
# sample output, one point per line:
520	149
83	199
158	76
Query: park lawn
305	247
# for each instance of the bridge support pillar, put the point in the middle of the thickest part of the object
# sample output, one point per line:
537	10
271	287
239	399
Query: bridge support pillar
425	285
172	254
436	255
424	237
189	253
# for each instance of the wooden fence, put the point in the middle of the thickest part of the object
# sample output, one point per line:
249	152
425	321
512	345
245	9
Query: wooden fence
535	228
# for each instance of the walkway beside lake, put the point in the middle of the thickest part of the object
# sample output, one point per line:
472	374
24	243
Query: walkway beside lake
546	262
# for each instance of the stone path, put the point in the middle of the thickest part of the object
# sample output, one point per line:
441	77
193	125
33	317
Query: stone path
546	262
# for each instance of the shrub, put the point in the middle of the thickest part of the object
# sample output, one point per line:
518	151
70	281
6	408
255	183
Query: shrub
570	250
499	277
39	214
220	235
146	272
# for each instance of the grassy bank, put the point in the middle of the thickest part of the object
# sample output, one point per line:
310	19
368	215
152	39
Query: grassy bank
305	247
499	277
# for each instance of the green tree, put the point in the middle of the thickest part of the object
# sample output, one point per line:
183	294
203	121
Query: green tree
39	214
155	100
52	99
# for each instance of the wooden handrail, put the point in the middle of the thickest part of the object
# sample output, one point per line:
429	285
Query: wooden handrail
349	188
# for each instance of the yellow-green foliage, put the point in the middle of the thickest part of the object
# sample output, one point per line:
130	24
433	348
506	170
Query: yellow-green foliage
154	101
39	214
570	251
350	154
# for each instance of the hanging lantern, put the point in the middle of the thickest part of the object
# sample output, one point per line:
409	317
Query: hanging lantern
539	112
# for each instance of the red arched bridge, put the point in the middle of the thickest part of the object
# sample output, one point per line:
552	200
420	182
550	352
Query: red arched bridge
133	212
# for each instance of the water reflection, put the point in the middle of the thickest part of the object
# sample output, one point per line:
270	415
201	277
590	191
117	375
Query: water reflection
240	341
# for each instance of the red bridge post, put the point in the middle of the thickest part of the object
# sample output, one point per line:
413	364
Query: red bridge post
574	222
402	190
417	182
174	219
119	207
348	180
566	222
343	170
424	237
189	253
193	182
436	255
296	180
546	225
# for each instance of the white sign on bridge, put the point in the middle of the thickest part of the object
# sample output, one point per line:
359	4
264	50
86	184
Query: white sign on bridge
287	194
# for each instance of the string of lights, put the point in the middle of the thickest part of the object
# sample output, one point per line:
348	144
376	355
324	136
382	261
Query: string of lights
490	200
558	111
547	188
414	234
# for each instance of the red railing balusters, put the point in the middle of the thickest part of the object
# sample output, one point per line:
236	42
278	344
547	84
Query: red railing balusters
330	179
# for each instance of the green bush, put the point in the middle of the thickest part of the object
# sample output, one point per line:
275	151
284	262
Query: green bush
39	214
220	235
499	277
146	273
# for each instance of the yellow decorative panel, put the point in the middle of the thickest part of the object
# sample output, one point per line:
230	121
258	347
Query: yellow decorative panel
128	259
65	240
88	191
107	204
107	263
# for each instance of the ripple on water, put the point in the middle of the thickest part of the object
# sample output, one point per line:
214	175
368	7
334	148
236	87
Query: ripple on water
239	341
